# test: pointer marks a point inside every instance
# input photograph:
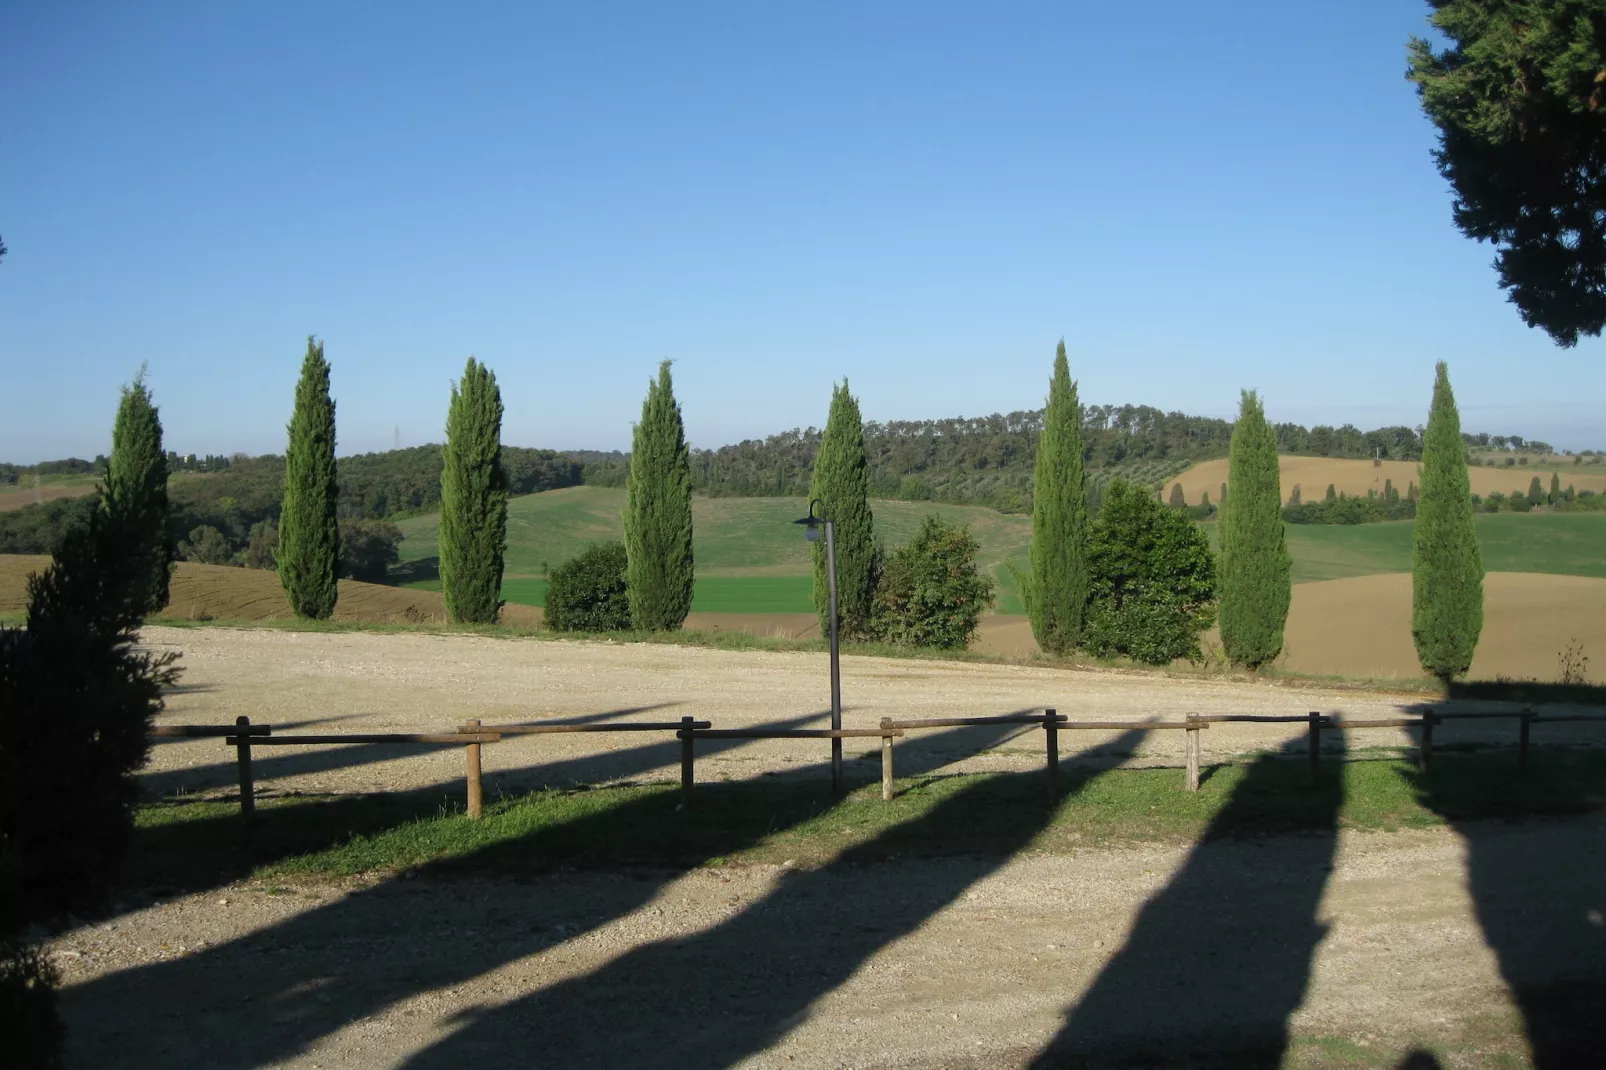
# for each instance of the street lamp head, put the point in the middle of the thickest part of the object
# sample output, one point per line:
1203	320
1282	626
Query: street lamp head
811	523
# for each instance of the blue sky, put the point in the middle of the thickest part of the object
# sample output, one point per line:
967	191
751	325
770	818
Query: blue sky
922	197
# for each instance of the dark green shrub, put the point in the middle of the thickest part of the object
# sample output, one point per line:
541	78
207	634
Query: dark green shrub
589	592
367	549
931	593
1153	580
1519	503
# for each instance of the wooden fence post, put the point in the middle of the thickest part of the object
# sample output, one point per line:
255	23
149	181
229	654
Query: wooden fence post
886	761
1315	736
476	791
1522	739
1051	734
1192	734
1425	755
242	752
687	756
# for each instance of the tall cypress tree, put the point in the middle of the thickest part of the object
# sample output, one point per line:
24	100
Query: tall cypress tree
473	539
841	481
1446	565
1057	596
136	488
1256	584
309	533
657	517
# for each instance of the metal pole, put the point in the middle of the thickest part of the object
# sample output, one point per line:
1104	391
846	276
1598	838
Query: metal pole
836	659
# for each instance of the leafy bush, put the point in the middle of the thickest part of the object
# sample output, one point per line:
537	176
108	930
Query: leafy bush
28	1018
1153	580
930	592
589	592
367	548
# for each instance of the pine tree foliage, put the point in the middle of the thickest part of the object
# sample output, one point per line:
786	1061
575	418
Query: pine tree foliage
309	531
1256	584
841	481
657	517
1447	566
1056	595
473	539
136	486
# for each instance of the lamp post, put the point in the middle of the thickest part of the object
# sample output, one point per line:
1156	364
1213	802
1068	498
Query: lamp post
811	530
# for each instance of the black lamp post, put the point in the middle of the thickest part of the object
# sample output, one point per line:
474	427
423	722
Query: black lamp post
811	531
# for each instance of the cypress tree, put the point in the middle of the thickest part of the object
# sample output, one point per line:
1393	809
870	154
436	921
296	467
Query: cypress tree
136	488
1056	598
309	533
1555	488
841	480
1536	492
1178	499
1447	567
1255	566
473	535
657	518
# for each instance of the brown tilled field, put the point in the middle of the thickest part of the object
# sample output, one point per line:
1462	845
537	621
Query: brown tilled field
219	592
1313	474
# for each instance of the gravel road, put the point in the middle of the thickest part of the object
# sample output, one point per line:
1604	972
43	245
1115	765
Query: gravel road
368	682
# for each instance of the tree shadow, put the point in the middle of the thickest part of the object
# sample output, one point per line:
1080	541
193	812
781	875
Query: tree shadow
308	976
1529	692
1218	960
1539	890
416	571
757	973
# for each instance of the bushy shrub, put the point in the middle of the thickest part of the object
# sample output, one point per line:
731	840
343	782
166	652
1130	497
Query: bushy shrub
589	592
28	1020
367	549
930	592
1153	580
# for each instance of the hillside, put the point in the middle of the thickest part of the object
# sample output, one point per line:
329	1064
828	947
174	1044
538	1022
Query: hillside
1356	477
751	558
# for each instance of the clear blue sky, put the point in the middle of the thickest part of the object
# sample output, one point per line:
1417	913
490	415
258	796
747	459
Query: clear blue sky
920	196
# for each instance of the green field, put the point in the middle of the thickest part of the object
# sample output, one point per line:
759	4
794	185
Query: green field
751	558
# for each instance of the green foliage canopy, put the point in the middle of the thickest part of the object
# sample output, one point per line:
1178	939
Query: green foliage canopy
931	593
309	532
1447	565
136	485
841	482
1517	98
473	534
1056	593
657	515
1153	580
590	592
1256	570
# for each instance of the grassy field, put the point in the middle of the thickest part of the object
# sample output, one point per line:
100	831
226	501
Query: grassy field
752	559
750	556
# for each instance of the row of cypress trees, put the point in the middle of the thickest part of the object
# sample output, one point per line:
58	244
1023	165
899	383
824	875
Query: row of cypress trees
473	530
1254	582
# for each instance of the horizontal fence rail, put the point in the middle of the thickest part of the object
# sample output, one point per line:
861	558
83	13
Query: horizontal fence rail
243	736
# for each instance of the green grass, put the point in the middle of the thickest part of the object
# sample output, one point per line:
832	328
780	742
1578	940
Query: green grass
184	844
751	558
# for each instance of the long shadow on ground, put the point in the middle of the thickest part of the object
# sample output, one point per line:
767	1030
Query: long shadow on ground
1540	894
266	996
1219	960
712	999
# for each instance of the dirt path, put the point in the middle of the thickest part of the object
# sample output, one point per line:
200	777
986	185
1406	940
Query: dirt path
918	963
367	682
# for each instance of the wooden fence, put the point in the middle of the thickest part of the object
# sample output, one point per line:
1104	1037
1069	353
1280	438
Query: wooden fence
472	736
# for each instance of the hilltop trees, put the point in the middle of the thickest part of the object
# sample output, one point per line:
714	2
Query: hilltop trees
1447	568
1056	595
1255	567
309	533
1517	99
657	517
841	481
473	536
136	488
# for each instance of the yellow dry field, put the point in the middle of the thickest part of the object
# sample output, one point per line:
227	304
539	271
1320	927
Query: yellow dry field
220	592
15	497
1313	474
